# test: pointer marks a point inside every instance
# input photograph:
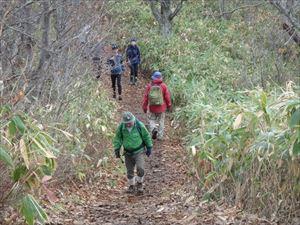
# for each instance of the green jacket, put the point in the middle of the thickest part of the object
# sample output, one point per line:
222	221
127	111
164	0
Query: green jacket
132	141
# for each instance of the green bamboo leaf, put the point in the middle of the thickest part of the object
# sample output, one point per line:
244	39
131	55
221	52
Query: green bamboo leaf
26	210
263	99
43	150
12	128
5	157
296	147
5	109
24	152
19	172
295	118
39	212
46	170
19	123
49	139
31	210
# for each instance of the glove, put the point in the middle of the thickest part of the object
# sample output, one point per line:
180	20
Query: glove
145	110
148	151
117	153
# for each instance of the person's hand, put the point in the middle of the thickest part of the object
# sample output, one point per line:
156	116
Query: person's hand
117	153
148	151
145	110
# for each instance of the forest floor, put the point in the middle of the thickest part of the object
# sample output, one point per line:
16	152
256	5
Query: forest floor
169	196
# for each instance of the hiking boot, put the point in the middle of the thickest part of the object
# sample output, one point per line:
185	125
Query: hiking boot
131	189
154	134
131	80
120	98
139	187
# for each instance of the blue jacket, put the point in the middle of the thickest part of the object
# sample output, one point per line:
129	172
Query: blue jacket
133	54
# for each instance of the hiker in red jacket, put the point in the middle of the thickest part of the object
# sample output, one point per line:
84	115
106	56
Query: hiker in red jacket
157	97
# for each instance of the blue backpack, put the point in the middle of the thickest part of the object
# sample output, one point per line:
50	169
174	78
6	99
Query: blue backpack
116	65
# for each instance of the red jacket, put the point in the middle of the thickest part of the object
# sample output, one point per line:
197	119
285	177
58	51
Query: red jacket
166	94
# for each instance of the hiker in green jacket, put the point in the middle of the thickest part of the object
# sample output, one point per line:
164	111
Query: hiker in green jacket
135	138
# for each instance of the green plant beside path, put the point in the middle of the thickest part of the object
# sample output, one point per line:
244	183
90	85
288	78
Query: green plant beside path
29	154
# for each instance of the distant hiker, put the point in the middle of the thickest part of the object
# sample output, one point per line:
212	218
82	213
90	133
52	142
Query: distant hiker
135	138
134	59
157	97
116	69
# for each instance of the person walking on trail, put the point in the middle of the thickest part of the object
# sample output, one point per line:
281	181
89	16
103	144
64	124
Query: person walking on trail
117	69
135	138
134	59
157	98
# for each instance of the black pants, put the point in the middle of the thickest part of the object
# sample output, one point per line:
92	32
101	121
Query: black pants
116	79
134	72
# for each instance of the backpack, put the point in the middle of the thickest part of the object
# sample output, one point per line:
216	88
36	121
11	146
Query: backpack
116	65
155	95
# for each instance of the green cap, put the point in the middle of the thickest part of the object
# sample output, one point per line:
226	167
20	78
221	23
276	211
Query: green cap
128	117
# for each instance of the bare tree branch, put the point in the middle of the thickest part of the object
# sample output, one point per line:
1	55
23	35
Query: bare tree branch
165	16
242	7
286	13
293	34
176	11
25	5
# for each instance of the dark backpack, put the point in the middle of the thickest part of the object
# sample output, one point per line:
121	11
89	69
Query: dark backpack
155	95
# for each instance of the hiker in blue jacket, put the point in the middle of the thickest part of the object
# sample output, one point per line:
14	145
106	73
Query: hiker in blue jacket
134	59
116	69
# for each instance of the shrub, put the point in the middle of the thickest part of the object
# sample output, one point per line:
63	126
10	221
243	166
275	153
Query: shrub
27	161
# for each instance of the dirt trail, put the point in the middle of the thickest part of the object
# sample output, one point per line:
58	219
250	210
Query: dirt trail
165	177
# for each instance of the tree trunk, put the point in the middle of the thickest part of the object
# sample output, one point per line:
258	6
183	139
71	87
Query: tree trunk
41	76
165	22
165	16
44	54
60	18
165	27
27	41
